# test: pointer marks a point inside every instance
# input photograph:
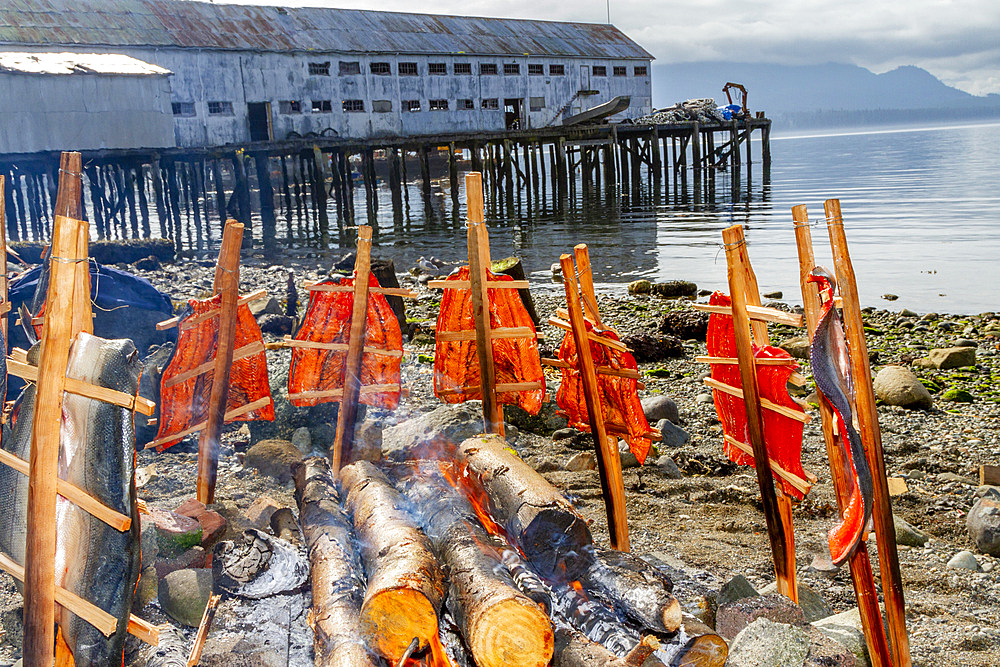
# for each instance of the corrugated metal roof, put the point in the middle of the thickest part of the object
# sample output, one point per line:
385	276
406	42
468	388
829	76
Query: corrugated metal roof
77	63
182	23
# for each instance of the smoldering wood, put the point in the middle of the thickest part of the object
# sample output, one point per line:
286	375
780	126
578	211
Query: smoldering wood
337	584
405	581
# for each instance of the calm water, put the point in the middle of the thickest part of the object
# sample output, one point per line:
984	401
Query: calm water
921	209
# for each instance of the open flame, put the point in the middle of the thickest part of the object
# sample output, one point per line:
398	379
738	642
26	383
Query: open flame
434	656
457	474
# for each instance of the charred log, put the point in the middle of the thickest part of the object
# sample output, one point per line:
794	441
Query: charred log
533	512
405	583
336	582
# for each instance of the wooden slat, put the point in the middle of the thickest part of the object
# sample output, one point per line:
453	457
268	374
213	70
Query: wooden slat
585	276
734	361
74	494
802	485
242	353
601	370
208	314
501	388
206	621
338	393
141	405
490	284
593	337
502	333
764	403
143	630
757	313
232	414
387	291
621	430
288	341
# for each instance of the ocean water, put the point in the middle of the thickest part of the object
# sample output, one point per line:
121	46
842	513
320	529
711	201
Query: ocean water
921	210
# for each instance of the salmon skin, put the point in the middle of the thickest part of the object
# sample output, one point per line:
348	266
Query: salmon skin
831	370
456	363
618	397
185	404
327	320
97	454
782	435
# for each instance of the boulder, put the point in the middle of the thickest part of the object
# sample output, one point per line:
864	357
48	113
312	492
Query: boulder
733	617
825	651
983	523
735	589
673	436
845	628
265	306
636	286
765	643
648	347
673	289
897	385
685	324
907	534
814	607
183	595
952	357
798	347
660	407
448	423
668	467
273	458
302	439
278	325
964	560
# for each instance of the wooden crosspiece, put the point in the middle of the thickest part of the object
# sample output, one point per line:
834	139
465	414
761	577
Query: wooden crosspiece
859	563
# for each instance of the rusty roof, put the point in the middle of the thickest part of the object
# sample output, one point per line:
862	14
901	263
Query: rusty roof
77	63
188	24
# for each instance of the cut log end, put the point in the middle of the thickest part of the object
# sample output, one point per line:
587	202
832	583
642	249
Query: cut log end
392	618
513	632
672	617
708	650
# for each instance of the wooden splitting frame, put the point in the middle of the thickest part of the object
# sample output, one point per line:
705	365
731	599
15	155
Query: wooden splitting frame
68	313
479	284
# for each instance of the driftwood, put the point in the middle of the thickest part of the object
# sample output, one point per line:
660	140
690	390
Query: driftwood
635	587
337	586
533	512
405	582
500	625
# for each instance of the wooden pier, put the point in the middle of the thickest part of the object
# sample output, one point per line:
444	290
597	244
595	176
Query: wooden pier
302	192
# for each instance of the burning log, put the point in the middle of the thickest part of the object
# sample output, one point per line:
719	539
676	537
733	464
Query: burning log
533	512
635	587
336	581
500	625
405	583
573	649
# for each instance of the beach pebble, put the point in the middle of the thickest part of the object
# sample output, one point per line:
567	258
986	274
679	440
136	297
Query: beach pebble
660	407
704	398
628	459
908	534
773	295
964	560
673	436
897	385
668	468
983	523
183	595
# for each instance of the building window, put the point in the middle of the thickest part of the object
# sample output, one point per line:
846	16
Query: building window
465	104
354	105
319	69
463	68
620	70
382	69
511	68
487	68
599	70
438	105
349	68
322	106
220	108
407	69
437	68
289	106
411	105
641	70
536	70
491	103
184	109
557	70
381	106
536	103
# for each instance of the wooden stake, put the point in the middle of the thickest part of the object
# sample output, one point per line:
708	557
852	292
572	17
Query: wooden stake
743	286
479	264
348	410
586	277
227	281
4	287
206	622
871	437
608	460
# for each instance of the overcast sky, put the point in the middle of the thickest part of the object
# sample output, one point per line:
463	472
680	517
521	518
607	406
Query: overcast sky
956	40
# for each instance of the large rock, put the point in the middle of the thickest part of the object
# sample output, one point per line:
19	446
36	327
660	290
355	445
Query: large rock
983	522
952	357
451	423
668	467
897	385
273	458
845	628
798	347
825	651
765	643
685	324
907	534
814	607
964	560
674	288
660	407
672	435
175	532
648	347
734	616
735	589
183	595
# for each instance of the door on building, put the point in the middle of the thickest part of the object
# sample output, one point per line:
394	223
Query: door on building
585	77
259	118
512	111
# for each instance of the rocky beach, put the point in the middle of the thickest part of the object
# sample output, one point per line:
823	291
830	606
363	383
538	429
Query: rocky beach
692	512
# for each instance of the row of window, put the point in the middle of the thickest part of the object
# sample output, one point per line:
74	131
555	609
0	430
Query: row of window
291	107
353	67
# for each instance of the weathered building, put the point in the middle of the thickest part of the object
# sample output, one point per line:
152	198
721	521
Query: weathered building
250	73
87	101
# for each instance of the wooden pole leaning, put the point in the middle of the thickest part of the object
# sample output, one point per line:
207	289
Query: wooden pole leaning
860	564
608	459
871	438
347	412
778	524
227	281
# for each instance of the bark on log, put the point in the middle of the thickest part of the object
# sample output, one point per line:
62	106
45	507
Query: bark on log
573	649
405	582
533	512
337	587
635	587
501	626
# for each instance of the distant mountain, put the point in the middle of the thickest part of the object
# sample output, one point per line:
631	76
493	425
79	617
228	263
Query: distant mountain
797	93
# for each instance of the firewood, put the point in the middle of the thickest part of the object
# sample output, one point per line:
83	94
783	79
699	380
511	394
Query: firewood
337	586
500	625
635	587
573	649
702	647
533	512
405	582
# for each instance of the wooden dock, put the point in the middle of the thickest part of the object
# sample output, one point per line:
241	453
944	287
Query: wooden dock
187	194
